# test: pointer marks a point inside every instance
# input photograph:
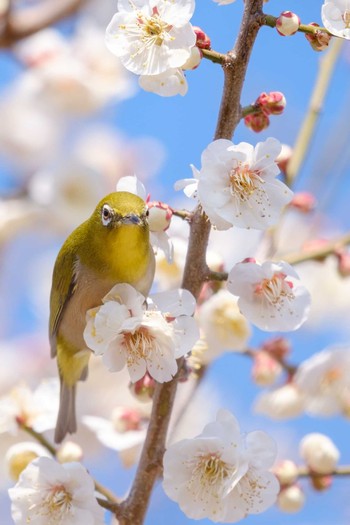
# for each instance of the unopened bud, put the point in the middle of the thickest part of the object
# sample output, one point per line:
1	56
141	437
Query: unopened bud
143	389
291	499
20	455
287	472
69	452
287	23
319	40
303	201
202	39
160	215
272	103
343	263
284	157
257	121
321	483
265	369
319	453
194	60
277	347
125	419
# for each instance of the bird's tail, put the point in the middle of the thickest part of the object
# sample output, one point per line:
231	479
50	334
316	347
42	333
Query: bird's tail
66	419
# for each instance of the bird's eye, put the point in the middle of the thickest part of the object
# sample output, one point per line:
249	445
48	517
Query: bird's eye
106	215
147	212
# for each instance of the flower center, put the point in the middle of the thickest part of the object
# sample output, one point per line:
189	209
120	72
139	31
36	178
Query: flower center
346	18
138	345
244	183
275	290
56	504
331	377
154	29
209	473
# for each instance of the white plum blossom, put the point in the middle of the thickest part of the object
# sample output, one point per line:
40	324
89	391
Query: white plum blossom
271	295
237	185
36	409
221	474
319	453
124	431
324	379
151	36
336	17
167	84
222	324
50	493
280	403
124	332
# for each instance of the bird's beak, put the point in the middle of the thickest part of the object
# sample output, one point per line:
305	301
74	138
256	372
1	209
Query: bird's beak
132	219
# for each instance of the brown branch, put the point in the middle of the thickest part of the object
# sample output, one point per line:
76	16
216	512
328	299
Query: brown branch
328	249
25	22
235	64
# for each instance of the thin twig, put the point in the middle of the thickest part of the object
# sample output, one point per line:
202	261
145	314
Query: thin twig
307	130
21	23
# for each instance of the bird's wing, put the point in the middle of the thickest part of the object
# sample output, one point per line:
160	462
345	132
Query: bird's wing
63	287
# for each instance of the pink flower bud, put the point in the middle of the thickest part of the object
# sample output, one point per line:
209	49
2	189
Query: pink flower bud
265	369
125	419
287	472
257	121
143	389
202	41
284	157
160	215
272	103
321	483
303	201
278	347
319	40
287	23
343	262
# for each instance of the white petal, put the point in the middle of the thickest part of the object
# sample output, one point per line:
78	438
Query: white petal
133	185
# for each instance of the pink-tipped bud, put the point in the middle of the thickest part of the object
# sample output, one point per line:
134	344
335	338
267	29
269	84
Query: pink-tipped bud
265	369
257	121
249	260
287	23
194	60
160	215
319	40
287	472
202	39
343	263
125	419
272	103
321	483
278	347
144	388
303	201
284	158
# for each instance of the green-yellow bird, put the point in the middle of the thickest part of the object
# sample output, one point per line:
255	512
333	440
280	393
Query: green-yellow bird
111	247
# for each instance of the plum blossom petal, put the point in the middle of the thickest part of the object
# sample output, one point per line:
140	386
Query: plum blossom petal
336	17
151	36
167	84
49	492
145	340
270	295
220	474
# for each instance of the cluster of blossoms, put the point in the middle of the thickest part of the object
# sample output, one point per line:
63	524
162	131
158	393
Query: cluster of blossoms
320	387
149	340
221	474
154	39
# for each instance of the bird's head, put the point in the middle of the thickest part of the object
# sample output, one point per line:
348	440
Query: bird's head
121	208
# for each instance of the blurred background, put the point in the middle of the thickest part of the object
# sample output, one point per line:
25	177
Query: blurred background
72	122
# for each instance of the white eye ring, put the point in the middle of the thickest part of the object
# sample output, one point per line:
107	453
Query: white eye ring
106	214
